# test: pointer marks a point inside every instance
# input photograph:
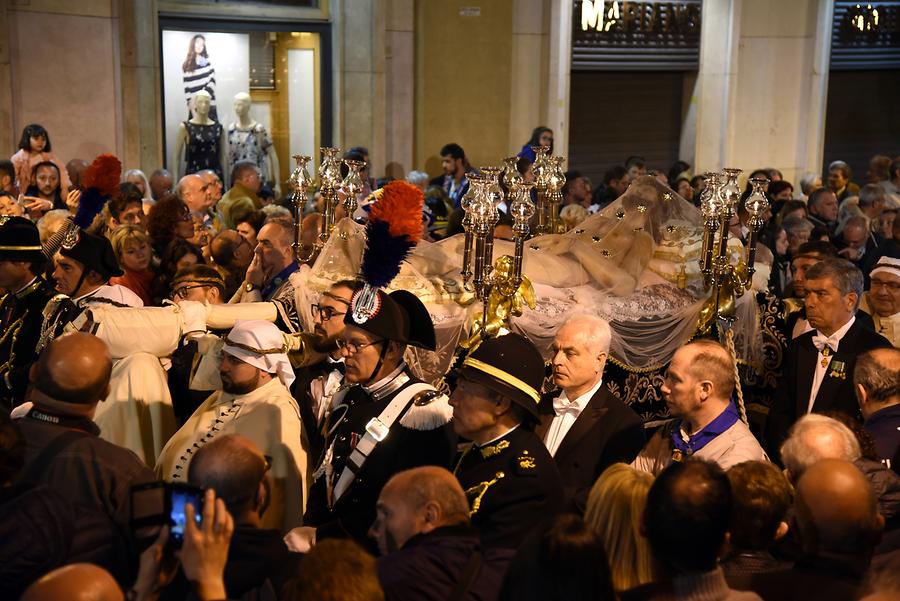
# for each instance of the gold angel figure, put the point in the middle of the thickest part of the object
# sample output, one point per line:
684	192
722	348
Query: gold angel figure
504	301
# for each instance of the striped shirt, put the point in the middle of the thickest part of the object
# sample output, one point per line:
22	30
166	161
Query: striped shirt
201	78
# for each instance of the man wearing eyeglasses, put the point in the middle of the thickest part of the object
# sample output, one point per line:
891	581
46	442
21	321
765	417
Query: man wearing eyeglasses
386	421
882	300
316	384
204	284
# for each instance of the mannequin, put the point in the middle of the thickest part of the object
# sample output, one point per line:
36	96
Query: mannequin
248	140
204	139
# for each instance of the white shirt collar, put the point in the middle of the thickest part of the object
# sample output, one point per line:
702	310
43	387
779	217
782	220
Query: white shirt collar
584	399
840	333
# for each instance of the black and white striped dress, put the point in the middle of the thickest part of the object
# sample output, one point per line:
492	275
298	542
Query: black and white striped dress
201	78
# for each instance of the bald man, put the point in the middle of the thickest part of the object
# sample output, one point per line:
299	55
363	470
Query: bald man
63	449
235	467
584	425
75	582
839	526
423	533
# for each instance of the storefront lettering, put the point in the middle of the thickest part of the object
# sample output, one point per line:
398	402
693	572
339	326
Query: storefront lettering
647	17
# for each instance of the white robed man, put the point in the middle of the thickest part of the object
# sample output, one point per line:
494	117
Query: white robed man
253	401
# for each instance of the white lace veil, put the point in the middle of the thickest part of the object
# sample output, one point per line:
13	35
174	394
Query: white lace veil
635	264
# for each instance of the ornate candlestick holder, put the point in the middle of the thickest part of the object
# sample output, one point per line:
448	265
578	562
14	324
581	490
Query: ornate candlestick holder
500	286
300	183
756	204
352	185
329	181
541	170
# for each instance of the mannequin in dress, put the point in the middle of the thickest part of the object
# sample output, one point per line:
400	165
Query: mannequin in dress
200	141
248	140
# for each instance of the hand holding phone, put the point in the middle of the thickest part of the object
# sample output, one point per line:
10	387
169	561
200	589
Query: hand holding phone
205	549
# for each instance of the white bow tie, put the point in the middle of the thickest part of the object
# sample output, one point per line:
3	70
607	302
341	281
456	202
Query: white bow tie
562	406
820	342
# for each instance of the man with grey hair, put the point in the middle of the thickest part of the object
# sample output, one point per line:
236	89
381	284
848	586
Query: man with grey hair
818	369
584	425
809	183
798	229
877	382
857	241
813	438
426	542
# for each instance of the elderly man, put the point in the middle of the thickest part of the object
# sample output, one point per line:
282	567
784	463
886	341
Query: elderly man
317	383
390	421
882	300
195	191
269	274
245	185
814	438
857	241
75	582
510	479
698	388
818	368
254	401
877	381
21	275
838	525
586	427
63	449
426	543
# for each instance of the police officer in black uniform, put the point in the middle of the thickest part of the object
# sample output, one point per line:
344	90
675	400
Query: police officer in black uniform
510	479
26	294
383	422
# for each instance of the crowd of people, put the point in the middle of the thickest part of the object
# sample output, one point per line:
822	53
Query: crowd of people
152	351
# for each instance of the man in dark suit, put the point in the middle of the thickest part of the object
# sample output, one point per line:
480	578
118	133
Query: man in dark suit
585	426
818	369
317	383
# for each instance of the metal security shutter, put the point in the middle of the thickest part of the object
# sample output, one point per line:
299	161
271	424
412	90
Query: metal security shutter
616	115
865	35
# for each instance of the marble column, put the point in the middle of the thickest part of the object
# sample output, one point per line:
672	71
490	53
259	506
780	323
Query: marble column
360	76
399	78
762	85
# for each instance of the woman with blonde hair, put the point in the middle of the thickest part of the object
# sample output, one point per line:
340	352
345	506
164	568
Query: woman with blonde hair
134	253
615	508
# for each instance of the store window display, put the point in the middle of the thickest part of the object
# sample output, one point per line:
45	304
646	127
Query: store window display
199	74
248	140
200	141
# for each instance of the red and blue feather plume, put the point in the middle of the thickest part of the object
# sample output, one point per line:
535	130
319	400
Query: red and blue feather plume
100	183
393	230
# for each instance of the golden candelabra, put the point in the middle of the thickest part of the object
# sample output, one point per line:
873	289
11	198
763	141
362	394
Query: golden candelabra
300	183
329	182
500	287
719	204
549	180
